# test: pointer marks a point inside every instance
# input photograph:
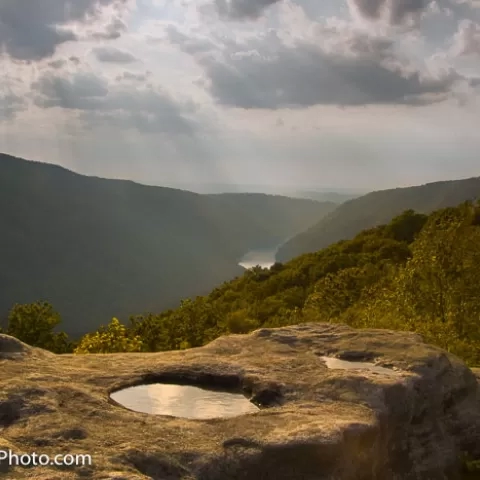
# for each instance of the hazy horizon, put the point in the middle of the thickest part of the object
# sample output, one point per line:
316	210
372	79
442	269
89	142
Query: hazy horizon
354	94
285	189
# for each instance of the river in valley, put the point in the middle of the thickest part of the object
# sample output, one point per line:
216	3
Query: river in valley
265	257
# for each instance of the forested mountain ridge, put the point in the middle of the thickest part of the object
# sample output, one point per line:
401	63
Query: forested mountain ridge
377	208
96	247
336	197
417	273
257	212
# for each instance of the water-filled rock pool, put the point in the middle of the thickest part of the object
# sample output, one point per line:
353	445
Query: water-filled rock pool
184	401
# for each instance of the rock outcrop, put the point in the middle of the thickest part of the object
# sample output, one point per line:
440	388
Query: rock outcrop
408	420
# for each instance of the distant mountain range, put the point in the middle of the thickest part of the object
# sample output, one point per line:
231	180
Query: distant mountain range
321	194
97	248
377	208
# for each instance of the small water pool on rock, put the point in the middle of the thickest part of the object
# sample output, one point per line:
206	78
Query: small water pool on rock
184	401
337	363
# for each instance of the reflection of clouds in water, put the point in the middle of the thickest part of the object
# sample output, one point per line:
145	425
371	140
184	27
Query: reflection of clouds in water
336	363
183	401
265	258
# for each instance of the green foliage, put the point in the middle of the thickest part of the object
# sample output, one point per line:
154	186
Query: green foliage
240	322
335	293
154	332
406	226
34	324
470	466
98	248
378	208
110	339
436	293
416	273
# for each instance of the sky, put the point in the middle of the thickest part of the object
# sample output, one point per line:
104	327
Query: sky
351	94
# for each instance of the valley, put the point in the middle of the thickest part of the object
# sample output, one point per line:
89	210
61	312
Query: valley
98	248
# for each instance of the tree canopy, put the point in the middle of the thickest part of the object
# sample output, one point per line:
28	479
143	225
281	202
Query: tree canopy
419	273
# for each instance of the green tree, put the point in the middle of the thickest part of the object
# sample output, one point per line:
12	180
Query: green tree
113	338
416	273
34	324
239	321
335	293
436	294
152	330
198	322
406	227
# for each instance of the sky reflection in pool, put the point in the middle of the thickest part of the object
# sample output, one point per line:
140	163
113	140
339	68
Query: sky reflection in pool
336	363
183	401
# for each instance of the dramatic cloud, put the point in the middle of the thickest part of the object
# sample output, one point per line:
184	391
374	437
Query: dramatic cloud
11	99
147	109
112	31
393	11
244	90
113	55
242	9
191	45
342	68
59	63
81	91
474	4
32	30
10	104
467	39
134	77
401	12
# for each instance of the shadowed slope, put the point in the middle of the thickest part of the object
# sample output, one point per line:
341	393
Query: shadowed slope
378	208
98	248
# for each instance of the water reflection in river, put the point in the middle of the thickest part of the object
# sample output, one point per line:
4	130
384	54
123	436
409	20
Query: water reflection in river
183	401
263	257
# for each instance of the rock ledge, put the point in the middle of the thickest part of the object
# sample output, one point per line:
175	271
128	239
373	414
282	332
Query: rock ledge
410	421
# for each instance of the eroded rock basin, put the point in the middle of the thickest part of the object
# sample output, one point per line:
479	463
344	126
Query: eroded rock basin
339	364
184	401
315	422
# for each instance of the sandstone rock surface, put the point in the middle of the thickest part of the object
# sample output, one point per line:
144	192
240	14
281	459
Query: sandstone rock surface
408	422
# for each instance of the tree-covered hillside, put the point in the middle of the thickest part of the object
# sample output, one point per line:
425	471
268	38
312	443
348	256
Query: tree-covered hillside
377	208
418	273
96	248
